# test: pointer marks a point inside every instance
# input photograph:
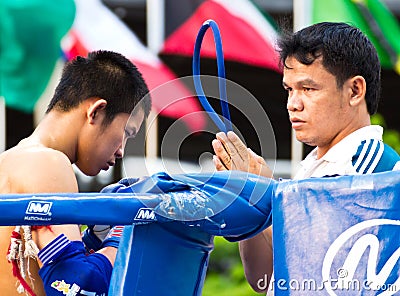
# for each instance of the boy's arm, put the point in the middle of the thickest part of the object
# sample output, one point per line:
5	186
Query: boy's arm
62	252
47	171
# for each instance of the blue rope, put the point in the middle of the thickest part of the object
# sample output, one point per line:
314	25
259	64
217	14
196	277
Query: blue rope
226	124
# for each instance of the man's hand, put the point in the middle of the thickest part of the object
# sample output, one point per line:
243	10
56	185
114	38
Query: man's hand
232	154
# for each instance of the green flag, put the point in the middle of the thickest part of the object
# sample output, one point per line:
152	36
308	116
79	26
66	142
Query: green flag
372	17
30	34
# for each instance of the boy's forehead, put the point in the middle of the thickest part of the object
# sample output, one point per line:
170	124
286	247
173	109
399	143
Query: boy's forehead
135	119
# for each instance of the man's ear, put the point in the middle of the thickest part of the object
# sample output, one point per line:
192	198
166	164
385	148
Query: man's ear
94	108
358	88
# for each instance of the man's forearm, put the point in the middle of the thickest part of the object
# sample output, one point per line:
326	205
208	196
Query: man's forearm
257	258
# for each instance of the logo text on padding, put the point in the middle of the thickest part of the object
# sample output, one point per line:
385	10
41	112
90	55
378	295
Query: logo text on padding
145	214
39	208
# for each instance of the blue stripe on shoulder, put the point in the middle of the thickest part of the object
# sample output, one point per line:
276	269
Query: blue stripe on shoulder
356	156
363	150
388	160
376	151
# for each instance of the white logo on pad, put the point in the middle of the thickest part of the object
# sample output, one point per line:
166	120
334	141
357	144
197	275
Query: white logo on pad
145	214
39	208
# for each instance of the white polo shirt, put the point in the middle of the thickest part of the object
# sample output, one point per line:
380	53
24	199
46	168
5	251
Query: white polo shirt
361	152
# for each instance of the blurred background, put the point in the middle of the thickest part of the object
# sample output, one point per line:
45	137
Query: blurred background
37	37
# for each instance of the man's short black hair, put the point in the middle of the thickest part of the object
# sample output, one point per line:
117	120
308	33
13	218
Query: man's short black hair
345	52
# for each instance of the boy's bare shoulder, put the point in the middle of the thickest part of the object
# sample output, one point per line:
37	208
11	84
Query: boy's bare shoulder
25	157
37	169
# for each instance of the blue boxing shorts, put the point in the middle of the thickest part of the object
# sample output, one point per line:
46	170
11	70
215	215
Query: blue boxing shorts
67	270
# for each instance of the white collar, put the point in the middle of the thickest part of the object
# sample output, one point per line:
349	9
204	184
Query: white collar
347	147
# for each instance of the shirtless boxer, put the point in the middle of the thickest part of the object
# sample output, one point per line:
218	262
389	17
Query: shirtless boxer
87	123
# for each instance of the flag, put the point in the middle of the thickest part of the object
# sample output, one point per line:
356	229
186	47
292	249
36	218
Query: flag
370	16
248	36
96	27
30	35
337	236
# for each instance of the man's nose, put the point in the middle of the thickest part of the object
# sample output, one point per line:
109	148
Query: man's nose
295	102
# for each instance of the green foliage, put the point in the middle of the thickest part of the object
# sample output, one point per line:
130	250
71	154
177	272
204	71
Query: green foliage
390	136
225	276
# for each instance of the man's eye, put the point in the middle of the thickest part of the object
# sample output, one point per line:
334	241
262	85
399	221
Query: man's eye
307	88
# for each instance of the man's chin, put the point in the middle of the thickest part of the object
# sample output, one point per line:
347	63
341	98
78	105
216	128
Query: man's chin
304	140
300	137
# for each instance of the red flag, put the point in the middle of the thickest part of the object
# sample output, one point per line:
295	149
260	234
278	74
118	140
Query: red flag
96	27
247	36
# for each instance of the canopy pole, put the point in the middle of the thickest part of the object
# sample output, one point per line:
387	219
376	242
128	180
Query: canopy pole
155	20
301	19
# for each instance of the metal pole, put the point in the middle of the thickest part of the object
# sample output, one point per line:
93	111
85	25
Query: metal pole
301	19
302	14
155	15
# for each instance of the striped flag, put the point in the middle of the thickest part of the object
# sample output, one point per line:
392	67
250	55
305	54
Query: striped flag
372	17
248	36
96	27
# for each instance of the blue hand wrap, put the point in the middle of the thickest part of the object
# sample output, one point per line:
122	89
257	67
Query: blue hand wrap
113	237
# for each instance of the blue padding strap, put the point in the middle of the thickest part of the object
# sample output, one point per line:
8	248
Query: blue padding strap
226	124
69	208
